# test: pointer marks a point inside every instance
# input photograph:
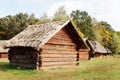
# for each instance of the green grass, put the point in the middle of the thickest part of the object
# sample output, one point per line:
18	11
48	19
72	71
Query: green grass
95	69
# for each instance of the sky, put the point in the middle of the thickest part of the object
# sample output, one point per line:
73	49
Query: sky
102	10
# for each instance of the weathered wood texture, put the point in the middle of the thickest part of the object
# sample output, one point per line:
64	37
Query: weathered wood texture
61	38
23	57
60	50
3	55
84	54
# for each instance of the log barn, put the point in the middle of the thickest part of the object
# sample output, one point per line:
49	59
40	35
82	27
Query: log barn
3	51
98	50
49	45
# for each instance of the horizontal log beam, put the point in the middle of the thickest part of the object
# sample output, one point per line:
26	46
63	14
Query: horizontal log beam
58	55
59	47
56	51
24	62
58	59
55	66
83	50
61	43
32	66
58	63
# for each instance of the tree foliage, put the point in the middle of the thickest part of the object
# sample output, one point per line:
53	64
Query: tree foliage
12	25
44	18
107	36
60	14
84	22
118	33
114	44
85	25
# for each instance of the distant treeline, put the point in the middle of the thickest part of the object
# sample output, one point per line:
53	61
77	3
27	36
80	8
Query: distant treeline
87	26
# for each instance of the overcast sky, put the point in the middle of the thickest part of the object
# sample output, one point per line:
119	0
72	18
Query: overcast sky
102	10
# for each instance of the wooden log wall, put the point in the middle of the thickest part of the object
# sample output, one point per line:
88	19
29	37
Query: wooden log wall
59	51
23	57
3	55
84	54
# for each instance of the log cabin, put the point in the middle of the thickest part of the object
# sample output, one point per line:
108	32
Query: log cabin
3	51
55	44
98	50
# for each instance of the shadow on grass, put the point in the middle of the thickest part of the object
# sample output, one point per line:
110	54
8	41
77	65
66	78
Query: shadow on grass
5	66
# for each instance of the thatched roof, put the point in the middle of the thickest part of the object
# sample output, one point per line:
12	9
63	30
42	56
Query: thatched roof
97	47
37	35
2	45
108	50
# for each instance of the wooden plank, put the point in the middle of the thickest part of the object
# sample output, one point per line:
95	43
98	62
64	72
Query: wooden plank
83	53
33	66
83	56
58	47
58	55
58	59
58	63
19	58
62	38
4	55
19	61
83	50
61	43
84	59
55	66
62	32
59	52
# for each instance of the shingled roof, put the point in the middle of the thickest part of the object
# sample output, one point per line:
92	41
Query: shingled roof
97	47
108	50
37	35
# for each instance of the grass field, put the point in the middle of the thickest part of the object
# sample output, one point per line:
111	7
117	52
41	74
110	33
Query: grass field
95	69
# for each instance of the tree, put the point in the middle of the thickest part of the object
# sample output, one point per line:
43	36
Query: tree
114	44
84	22
107	36
98	31
107	26
3	27
32	19
12	25
60	14
118	33
44	18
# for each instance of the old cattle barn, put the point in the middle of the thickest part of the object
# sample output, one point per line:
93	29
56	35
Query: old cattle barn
47	45
98	50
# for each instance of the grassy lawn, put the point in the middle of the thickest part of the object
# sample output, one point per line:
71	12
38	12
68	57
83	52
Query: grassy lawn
95	69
